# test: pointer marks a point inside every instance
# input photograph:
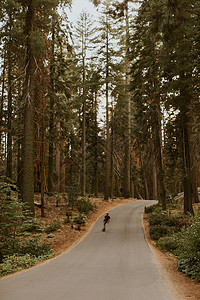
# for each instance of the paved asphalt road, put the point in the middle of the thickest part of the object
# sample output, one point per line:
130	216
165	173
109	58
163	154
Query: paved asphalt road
112	265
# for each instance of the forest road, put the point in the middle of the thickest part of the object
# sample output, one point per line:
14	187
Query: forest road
113	265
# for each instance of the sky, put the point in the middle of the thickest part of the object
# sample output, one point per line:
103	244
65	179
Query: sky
78	6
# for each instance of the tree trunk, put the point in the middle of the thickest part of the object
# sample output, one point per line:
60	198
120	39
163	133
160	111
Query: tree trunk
187	164
84	134
158	156
9	123
107	148
186	114
195	196
19	165
2	100
42	166
58	159
144	177
127	162
62	178
29	95
112	155
51	120
96	151
156	127
62	167
19	144
155	181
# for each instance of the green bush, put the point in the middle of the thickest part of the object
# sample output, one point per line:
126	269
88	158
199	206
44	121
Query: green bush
85	206
17	249
52	227
190	267
161	219
158	231
32	225
181	221
50	236
11	216
153	208
79	218
169	243
189	250
34	246
14	263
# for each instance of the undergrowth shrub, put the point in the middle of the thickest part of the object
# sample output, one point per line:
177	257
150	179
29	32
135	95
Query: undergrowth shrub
161	219
169	243
17	242
34	246
79	218
189	257
14	263
32	225
52	226
179	234
158	231
181	222
85	206
190	267
11	216
153	208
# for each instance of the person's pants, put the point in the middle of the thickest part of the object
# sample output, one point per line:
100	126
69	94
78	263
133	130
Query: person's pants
104	226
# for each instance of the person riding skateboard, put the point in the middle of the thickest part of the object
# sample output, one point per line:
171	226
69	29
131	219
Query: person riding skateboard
105	221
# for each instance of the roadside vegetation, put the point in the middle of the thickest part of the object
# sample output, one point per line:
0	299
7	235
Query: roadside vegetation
179	234
24	240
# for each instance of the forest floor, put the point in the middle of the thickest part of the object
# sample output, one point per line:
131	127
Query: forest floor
66	237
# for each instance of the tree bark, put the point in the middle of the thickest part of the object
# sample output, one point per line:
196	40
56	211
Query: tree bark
2	100
51	120
58	159
107	146
155	180
84	134
144	177
96	150
186	115
29	95
127	162
112	155
42	165
158	152
195	196
187	164
9	123
156	127
62	177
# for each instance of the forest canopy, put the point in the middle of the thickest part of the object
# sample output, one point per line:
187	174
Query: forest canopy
141	60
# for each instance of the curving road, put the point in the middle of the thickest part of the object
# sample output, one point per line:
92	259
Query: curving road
112	265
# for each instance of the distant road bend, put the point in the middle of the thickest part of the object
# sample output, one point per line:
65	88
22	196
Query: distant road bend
112	265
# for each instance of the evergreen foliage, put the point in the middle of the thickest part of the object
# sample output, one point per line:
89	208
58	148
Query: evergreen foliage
163	75
180	235
189	251
15	245
11	216
54	78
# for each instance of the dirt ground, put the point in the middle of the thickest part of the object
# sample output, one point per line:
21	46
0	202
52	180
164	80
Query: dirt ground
66	237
